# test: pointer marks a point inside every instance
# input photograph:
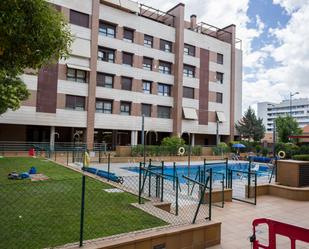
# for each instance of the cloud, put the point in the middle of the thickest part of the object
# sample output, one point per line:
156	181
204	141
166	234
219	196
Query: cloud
291	5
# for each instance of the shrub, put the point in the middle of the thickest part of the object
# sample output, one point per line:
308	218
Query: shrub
160	150
304	157
264	151
304	149
258	149
290	149
173	141
221	148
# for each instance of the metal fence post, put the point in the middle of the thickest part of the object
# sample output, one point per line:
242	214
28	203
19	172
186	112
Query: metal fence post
140	184
276	168
255	187
82	209
222	190
149	184
100	154
177	186
67	157
108	165
249	179
226	169
174	175
210	192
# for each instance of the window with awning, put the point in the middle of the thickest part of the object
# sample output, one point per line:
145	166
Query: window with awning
221	117
189	113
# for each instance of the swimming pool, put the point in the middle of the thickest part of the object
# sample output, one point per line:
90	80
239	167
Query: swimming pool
218	170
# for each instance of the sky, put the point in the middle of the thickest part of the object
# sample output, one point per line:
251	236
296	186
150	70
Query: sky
275	42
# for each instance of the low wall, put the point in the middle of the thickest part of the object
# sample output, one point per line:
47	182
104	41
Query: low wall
197	236
292	193
293	173
216	195
166	206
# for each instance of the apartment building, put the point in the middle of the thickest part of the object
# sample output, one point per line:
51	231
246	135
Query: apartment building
129	60
298	108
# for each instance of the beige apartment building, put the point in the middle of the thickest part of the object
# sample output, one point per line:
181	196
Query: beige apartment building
129	60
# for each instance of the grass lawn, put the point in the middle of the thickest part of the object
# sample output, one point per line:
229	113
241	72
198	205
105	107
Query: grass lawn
47	213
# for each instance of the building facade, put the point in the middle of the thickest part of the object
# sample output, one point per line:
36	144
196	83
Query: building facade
298	108
129	60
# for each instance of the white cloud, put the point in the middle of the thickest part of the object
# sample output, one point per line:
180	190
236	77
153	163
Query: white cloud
290	5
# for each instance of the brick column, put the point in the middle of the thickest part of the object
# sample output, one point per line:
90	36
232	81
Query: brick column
93	74
178	12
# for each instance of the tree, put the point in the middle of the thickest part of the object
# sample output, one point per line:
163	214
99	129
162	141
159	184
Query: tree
285	127
33	34
251	127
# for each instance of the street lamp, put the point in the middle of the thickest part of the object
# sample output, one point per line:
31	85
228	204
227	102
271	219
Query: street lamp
274	134
291	95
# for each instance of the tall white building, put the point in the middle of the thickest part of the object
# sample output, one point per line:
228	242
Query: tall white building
299	109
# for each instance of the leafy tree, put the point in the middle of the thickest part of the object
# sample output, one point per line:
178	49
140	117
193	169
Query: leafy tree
285	127
251	127
33	34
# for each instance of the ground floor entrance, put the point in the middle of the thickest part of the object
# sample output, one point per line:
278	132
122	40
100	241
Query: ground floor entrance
110	137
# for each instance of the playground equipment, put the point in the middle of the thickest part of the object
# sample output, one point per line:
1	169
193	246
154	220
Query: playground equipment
294	233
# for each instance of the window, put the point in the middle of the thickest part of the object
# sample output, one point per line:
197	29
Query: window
147	63
126	83
164	112
147	87
128	35
188	92
105	80
148	41
165	67
188	71
219	97
164	89
78	18
106	54
189	50
104	106
165	46
125	108
146	110
75	102
76	75
219	77
127	59
107	29
219	58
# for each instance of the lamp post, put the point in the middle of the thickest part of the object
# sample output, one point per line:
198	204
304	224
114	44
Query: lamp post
143	139
291	95
274	134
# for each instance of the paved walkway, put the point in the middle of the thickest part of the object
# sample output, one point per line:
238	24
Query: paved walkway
236	218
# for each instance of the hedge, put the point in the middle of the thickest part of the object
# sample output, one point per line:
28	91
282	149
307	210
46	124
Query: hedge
304	157
159	150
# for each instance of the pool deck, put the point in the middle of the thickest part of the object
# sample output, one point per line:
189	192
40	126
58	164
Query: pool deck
237	217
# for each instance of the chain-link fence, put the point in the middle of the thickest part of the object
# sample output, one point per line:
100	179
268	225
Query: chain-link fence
244	185
56	212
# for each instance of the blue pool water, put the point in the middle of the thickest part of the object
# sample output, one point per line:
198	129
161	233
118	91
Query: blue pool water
218	170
